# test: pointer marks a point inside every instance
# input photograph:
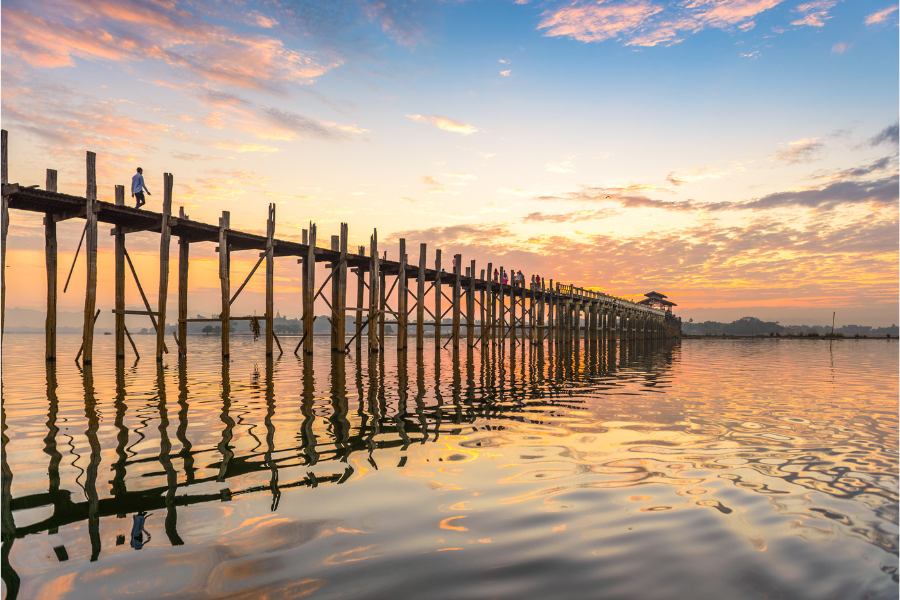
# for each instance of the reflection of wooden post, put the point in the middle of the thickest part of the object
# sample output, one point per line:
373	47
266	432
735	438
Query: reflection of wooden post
309	291
374	279
402	298
90	297
225	281
420	298
165	234
339	294
438	313
457	267
270	281
120	279
184	250
50	253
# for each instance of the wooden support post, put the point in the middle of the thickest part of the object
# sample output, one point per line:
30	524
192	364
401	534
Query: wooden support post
225	282
489	304
457	268
437	298
184	251
165	234
522	318
382	304
309	290
420	298
119	279
402	299
512	307
374	281
502	308
360	299
270	281
50	252
470	307
482	309
4	227
90	297
339	292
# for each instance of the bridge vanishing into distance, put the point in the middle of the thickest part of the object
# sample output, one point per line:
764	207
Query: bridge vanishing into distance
388	292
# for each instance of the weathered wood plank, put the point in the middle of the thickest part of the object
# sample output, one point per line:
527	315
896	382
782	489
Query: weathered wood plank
119	283
225	283
164	239
90	296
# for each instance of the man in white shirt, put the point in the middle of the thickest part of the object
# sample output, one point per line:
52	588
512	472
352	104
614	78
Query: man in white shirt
138	188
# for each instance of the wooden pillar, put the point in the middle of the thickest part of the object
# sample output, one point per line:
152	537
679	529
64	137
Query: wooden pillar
165	234
457	268
50	258
488	331
225	282
360	299
420	298
501	300
374	282
512	306
90	296
120	279
523	292
339	292
184	254
438	312
482	308
309	290
382	303
270	281
470	307
4	227
402	299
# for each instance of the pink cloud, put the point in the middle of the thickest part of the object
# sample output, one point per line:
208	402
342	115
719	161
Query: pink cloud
880	16
598	21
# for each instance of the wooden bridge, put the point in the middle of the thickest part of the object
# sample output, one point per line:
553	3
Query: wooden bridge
483	310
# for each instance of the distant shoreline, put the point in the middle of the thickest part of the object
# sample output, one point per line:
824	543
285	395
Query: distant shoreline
788	337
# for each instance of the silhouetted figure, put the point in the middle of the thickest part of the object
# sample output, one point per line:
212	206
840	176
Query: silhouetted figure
138	188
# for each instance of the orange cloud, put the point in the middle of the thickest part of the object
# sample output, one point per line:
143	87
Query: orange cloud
444	123
880	16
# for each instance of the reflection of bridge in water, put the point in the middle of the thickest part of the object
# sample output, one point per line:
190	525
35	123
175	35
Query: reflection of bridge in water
506	386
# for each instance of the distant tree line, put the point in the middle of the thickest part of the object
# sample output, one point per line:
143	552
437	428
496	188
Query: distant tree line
751	326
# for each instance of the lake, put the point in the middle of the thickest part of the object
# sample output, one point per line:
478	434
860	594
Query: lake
705	468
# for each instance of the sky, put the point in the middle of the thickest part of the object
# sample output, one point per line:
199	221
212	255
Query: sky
740	156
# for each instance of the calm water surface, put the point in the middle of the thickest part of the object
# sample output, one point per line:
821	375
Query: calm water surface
705	469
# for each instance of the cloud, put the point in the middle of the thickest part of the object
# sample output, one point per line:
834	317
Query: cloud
840	48
880	16
800	151
643	23
444	123
888	135
815	13
505	72
307	127
879	191
246	148
131	31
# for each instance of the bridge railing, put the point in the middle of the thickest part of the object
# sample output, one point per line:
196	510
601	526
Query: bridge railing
567	289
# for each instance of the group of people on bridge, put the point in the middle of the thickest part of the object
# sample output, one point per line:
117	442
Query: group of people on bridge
518	279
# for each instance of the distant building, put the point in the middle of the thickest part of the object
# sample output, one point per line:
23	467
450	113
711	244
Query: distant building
657	300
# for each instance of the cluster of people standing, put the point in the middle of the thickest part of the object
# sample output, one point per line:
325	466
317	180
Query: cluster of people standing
518	278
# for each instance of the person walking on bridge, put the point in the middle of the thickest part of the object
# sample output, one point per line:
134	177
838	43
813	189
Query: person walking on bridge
138	188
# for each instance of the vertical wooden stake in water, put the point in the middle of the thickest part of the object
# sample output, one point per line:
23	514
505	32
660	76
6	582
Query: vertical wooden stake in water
4	227
270	281
438	313
457	268
90	297
50	260
309	290
420	299
374	277
119	252
165	234
489	304
402	299
225	281
184	252
341	299
382	303
360	299
482	307
470	307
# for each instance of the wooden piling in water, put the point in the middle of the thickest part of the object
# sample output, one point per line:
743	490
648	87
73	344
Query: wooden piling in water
50	260
165	234
90	296
457	268
339	294
184	254
225	282
402	299
270	281
470	307
4	225
119	253
309	291
420	297
374	282
438	292
360	300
